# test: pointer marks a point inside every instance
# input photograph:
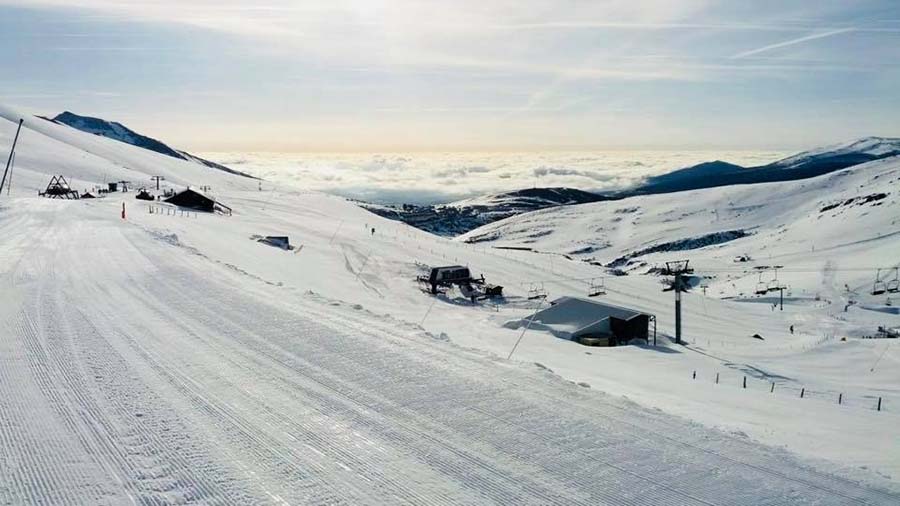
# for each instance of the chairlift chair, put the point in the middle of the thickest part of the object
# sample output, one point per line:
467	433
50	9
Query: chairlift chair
597	287
879	286
536	291
774	285
893	286
762	287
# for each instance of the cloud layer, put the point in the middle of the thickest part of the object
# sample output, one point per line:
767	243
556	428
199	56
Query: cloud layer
427	178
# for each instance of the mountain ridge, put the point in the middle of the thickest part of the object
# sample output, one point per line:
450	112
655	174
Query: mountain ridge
803	165
461	216
119	132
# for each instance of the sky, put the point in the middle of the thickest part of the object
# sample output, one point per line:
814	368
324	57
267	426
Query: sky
486	75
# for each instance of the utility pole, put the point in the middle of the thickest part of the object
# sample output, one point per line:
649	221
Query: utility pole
11	153
677	269
157	179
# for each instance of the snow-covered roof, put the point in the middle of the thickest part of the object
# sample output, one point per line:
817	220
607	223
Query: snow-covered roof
568	317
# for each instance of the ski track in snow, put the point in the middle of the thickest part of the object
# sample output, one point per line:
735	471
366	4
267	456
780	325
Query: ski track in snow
172	382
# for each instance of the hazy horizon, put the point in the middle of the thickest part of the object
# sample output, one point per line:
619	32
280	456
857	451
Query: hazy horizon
421	76
434	178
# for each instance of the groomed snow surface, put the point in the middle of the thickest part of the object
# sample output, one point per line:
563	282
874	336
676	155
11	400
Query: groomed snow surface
169	359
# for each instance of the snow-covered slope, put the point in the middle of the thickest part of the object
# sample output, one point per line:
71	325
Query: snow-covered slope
849	218
867	149
464	216
171	358
48	148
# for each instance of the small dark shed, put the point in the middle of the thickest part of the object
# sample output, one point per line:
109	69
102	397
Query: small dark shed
279	241
193	199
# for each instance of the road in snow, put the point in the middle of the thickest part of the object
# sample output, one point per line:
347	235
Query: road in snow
135	369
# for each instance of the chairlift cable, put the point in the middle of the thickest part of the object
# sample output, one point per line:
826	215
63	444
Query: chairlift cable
886	346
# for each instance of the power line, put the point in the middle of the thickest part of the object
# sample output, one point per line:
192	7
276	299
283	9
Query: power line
781	268
744	271
530	320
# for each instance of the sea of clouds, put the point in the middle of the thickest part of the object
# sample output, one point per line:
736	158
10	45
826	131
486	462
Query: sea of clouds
430	178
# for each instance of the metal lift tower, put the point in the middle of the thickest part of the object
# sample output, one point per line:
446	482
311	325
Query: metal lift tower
11	153
677	269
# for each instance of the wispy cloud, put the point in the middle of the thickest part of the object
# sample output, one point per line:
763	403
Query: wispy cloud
557	25
792	42
358	75
738	27
111	49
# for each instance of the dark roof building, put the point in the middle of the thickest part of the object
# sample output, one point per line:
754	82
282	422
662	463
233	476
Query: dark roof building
577	319
193	199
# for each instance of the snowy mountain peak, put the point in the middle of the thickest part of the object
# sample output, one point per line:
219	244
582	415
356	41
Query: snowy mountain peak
114	130
119	132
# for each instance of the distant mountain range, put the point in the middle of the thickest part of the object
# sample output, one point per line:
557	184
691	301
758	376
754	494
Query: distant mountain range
800	166
119	132
457	218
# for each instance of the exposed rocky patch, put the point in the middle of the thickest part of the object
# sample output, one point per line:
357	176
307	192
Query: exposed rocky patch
683	245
